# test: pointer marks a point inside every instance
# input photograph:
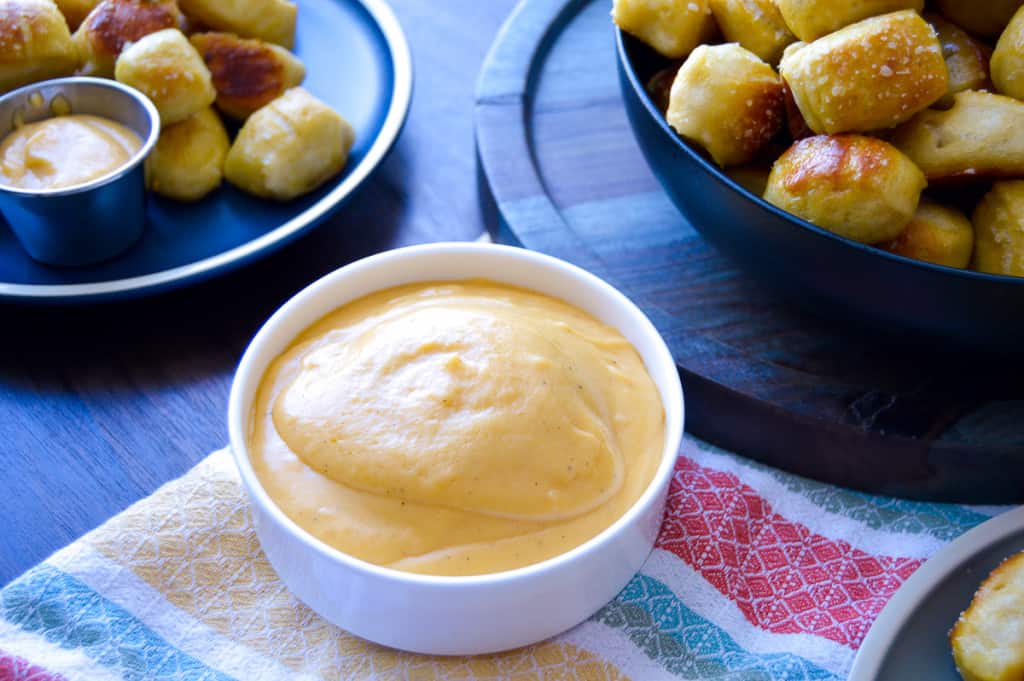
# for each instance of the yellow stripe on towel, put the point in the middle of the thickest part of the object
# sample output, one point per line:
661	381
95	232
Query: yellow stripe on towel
194	543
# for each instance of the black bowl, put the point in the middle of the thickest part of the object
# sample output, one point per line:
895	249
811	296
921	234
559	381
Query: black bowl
824	272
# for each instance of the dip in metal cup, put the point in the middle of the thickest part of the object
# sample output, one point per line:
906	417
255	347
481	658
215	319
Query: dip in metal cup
89	222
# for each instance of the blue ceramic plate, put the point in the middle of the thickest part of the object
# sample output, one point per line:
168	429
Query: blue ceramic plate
357	61
909	640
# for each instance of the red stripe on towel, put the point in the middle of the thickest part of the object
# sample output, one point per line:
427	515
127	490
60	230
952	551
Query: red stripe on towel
784	577
13	668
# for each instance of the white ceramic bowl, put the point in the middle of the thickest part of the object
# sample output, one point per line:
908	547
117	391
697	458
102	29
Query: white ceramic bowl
457	615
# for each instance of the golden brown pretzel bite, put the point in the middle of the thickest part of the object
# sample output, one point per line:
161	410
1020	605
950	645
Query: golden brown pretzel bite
937	234
187	162
999	229
166	68
1008	58
34	43
113	24
812	19
873	74
247	74
856	186
979	137
754	24
270	20
671	27
289	147
728	101
986	638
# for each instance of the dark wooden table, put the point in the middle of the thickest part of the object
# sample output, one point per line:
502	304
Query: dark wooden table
100	405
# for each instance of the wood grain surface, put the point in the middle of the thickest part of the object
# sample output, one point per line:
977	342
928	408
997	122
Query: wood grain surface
829	400
99	405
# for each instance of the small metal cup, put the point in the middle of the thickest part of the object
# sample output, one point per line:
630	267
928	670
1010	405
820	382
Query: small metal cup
91	222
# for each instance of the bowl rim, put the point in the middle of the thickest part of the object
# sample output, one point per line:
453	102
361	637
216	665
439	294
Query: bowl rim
673	405
136	96
717	174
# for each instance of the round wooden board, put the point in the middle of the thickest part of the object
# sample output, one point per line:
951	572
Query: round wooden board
561	173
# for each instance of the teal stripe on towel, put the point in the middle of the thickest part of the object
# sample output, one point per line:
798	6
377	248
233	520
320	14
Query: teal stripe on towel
68	613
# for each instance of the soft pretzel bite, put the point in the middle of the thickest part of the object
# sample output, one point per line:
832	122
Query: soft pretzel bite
247	74
76	10
728	101
35	43
937	234
859	187
979	137
289	147
967	60
1008	58
269	20
113	24
986	639
754	24
987	19
187	162
873	74
999	230
671	27
166	68
812	19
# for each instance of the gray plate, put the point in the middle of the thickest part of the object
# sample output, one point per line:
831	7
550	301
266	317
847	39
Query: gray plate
909	640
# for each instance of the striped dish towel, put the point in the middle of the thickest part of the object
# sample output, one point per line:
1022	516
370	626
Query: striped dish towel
757	575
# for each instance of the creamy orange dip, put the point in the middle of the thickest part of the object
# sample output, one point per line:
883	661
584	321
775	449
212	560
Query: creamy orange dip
457	428
65	151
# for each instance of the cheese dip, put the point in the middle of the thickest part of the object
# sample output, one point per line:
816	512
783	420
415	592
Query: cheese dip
65	151
457	428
